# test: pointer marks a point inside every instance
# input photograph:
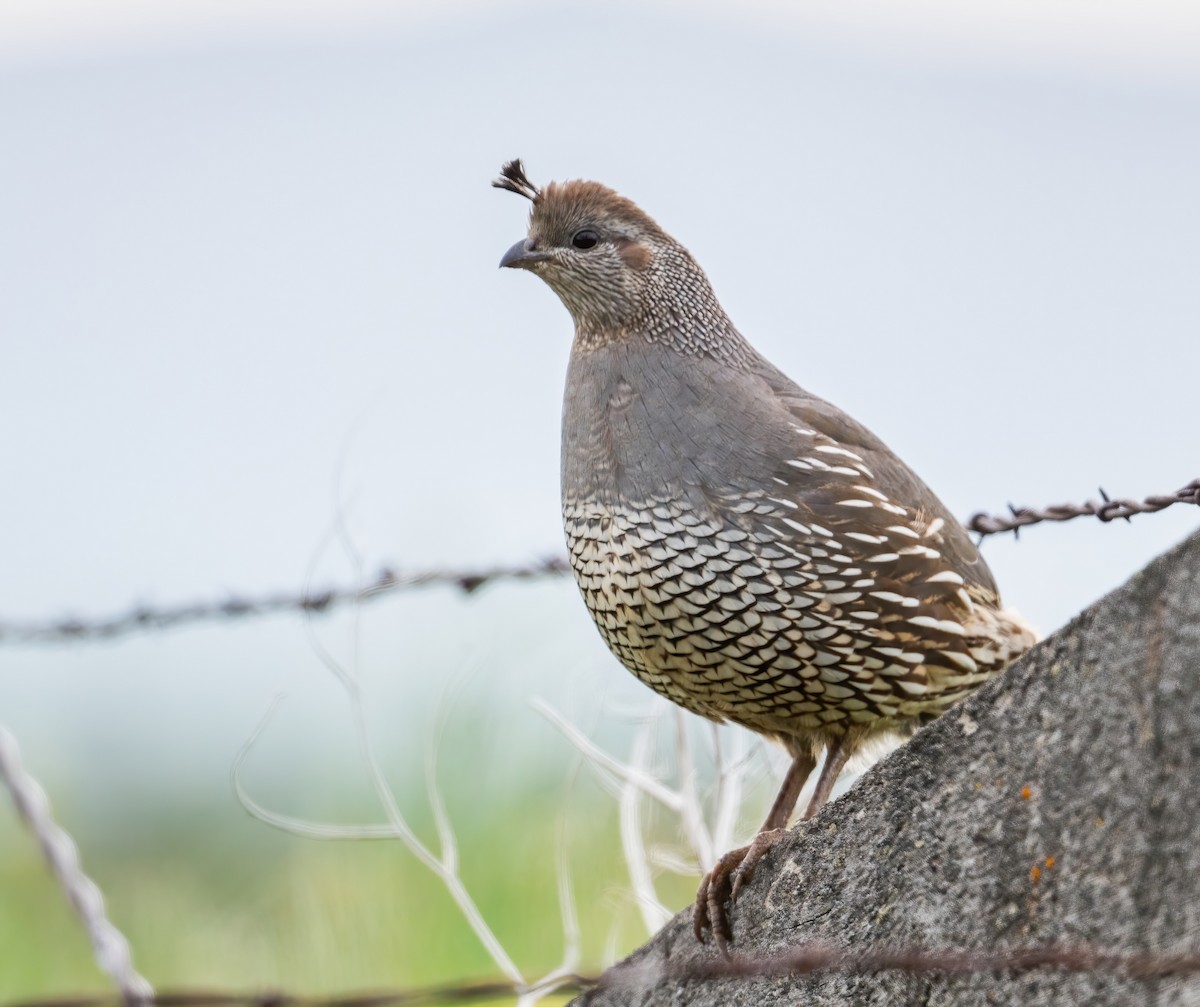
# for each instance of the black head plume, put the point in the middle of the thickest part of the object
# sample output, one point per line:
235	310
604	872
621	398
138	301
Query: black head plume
512	177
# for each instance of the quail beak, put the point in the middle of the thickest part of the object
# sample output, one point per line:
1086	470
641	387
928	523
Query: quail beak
523	255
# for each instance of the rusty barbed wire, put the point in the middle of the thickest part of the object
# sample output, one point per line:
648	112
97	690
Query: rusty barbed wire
456	993
810	960
389	581
386	582
1108	509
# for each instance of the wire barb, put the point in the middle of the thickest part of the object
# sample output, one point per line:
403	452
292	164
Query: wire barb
1108	509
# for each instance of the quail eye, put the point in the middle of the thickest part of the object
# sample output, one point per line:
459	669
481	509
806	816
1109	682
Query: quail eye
585	239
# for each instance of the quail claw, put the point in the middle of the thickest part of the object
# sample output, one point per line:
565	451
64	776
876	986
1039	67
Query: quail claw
723	884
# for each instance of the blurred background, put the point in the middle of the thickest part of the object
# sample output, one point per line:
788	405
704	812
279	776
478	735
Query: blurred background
254	338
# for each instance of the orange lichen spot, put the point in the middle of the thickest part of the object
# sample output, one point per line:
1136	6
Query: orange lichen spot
1026	793
1035	872
1050	863
1099	821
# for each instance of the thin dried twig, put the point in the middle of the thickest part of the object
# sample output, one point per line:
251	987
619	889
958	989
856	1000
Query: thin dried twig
730	783
444	867
600	759
62	855
629	780
691	815
654	913
444	864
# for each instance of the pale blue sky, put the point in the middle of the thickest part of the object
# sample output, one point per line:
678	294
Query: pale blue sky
250	271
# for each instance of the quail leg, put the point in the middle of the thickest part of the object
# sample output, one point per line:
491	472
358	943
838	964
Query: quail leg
735	870
836	757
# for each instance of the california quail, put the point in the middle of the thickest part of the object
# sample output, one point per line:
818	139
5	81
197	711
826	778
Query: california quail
746	549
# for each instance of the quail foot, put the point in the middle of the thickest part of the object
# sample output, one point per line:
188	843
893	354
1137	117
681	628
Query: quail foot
746	549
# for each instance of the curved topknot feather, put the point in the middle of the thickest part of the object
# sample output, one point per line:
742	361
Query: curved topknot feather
513	178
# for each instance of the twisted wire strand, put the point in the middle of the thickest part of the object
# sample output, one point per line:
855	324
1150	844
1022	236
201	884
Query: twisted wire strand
109	945
1107	509
388	581
808	960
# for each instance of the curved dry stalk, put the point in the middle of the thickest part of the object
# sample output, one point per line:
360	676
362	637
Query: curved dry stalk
730	785
397	828
665	796
654	913
691	812
669	859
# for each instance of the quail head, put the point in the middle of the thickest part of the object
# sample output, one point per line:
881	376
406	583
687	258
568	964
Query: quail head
745	548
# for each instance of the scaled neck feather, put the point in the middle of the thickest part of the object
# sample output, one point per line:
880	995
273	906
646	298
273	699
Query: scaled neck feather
676	308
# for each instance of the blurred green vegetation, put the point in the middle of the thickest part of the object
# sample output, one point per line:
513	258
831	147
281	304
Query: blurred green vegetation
214	900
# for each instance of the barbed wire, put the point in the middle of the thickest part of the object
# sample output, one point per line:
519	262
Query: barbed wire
109	945
389	581
1106	510
455	993
808	961
813	959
